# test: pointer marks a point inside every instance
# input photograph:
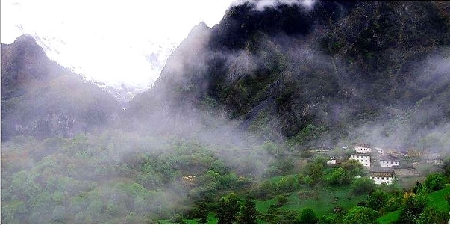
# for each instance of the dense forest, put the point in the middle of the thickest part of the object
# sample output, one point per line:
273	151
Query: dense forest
242	123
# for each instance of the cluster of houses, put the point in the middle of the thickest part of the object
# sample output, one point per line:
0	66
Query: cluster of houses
384	166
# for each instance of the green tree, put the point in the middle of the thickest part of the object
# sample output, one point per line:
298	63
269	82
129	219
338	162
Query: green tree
308	216
328	219
435	182
362	186
315	171
248	213
446	167
412	207
431	215
377	199
286	184
201	211
281	166
337	177
419	188
281	200
228	209
360	214
13	211
352	168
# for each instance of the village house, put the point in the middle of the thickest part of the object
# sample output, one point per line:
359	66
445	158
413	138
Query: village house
434	158
389	161
397	153
332	161
362	158
382	175
362	149
379	151
320	150
189	179
405	171
414	153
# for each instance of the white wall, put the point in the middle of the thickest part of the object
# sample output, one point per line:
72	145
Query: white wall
363	159
361	149
380	180
385	163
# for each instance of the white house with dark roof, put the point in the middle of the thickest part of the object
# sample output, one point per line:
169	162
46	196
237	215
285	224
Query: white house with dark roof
382	175
405	170
434	158
362	149
362	158
389	161
379	150
332	161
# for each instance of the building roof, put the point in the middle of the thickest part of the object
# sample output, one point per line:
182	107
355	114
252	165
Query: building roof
362	145
381	170
432	156
362	154
389	158
405	166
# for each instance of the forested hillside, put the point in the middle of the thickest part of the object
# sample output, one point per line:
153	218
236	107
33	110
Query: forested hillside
243	123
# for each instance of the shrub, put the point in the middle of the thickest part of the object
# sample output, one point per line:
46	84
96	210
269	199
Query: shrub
435	182
308	216
362	186
360	214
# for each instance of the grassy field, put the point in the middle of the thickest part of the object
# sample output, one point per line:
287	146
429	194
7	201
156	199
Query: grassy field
322	200
437	199
263	206
389	218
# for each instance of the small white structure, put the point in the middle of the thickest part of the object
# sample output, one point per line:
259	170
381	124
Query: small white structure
382	175
389	161
380	151
364	159
332	161
434	158
435	161
362	149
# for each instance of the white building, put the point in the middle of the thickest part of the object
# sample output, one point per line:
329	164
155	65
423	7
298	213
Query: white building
380	151
434	158
362	149
382	175
364	159
332	161
389	161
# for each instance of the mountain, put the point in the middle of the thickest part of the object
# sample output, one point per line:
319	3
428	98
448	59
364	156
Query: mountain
42	99
341	70
237	111
285	71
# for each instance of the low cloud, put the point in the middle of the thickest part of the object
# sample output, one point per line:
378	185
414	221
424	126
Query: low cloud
263	4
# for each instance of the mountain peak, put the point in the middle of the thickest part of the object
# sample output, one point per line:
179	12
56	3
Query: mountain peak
22	61
27	44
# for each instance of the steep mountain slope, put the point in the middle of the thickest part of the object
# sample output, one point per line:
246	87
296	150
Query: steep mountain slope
286	71
339	73
42	99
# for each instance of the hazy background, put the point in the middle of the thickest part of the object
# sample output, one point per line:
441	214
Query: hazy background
112	42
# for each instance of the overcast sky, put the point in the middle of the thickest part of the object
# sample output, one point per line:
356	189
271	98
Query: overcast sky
109	40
